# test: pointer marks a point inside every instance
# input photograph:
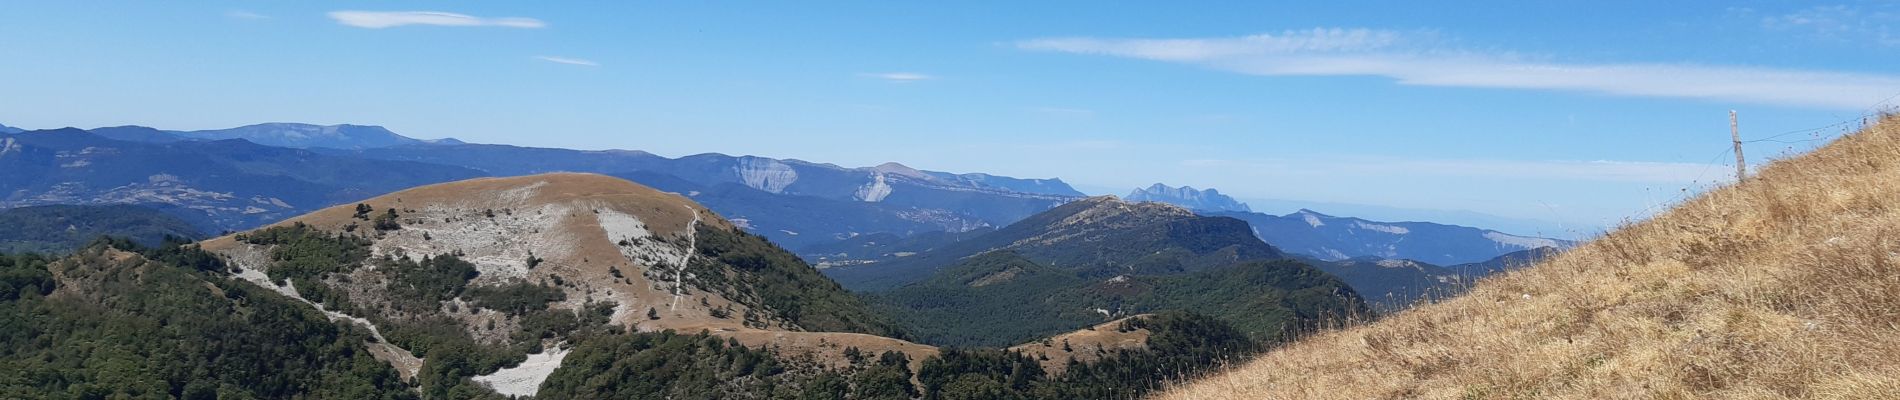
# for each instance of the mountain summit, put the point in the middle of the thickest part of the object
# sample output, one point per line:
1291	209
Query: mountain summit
1186	196
1097	237
508	267
1093	260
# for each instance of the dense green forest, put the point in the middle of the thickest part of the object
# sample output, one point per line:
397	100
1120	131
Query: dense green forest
1180	346
63	228
751	270
116	324
1001	299
680	366
949	310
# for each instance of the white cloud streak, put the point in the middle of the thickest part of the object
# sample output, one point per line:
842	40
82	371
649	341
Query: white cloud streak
1413	59
390	19
1597	171
898	77
568	61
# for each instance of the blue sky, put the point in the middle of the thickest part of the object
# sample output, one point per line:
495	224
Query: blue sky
1574	112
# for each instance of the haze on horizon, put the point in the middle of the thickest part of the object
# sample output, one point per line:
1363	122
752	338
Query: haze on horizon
1577	113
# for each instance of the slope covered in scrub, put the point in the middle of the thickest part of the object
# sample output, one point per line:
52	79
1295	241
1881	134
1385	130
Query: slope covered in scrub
1784	286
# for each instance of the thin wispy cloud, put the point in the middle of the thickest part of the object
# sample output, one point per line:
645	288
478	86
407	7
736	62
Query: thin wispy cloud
568	61
1418	58
390	19
1600	171
1839	23
898	77
244	15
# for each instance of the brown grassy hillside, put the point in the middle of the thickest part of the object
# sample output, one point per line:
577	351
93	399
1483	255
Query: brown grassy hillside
1785	286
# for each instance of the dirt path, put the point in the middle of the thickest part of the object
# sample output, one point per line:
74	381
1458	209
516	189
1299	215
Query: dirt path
692	246
406	363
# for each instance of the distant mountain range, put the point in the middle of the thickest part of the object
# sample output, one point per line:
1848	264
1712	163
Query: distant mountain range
219	185
1569	230
9	129
279	134
1186	196
225	180
1394	284
1329	238
794	203
1333	238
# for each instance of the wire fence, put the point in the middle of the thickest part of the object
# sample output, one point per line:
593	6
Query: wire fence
1825	133
1816	135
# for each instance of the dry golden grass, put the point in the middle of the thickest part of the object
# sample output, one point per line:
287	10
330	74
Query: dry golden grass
1785	286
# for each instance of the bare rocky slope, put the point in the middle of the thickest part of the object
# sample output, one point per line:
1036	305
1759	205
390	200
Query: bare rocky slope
1786	285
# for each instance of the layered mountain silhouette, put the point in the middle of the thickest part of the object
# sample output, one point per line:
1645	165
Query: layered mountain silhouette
279	134
906	200
1333	238
1209	200
218	185
805	206
1329	238
826	203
